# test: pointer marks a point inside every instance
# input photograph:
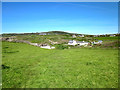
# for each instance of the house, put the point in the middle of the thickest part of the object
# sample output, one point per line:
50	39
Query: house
52	47
46	46
96	35
98	42
73	42
81	35
34	44
74	36
81	43
112	35
42	34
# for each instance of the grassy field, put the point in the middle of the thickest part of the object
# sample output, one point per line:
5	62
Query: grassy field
27	66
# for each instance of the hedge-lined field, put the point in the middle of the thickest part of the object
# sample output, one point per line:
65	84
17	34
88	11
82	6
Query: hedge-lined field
26	66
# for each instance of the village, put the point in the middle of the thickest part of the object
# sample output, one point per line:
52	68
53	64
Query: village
51	45
49	40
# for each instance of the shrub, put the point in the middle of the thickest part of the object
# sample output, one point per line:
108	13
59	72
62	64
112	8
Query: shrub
61	46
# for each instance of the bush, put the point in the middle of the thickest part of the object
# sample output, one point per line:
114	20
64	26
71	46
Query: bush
61	46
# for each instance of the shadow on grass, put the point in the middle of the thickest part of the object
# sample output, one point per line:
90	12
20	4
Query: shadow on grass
5	67
10	51
5	47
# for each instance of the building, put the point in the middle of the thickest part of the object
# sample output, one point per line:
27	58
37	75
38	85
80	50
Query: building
96	35
112	35
73	42
81	35
81	43
47	47
98	42
74	36
42	34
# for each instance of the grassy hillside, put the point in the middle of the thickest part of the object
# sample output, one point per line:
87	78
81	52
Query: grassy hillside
43	39
27	66
62	38
107	38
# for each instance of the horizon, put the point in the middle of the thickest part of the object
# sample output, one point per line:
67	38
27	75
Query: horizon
91	18
61	31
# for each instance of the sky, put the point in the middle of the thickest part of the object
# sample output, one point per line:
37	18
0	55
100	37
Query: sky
75	17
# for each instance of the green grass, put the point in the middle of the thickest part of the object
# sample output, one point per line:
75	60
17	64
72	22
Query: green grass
106	38
33	67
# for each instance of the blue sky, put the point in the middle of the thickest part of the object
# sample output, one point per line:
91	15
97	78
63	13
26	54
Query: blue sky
78	17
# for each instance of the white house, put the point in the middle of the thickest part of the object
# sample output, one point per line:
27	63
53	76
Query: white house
81	35
96	35
112	35
47	47
82	43
74	36
98	42
52	47
42	34
35	44
73	42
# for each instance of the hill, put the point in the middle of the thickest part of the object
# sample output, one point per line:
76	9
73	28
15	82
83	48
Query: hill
33	67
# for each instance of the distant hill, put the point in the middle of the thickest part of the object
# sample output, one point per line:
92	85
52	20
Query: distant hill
57	32
39	33
53	33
